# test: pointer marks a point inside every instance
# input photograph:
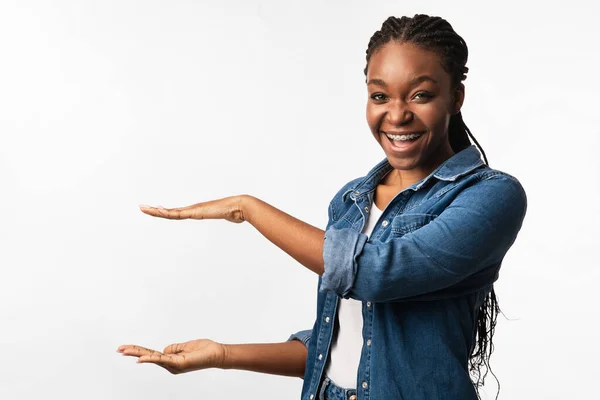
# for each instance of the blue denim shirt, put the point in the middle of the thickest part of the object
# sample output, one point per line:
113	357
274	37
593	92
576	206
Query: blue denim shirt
422	275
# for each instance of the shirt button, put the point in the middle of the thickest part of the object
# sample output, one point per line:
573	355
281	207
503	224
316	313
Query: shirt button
368	342
367	208
312	396
327	319
385	223
353	397
368	304
320	356
365	385
356	193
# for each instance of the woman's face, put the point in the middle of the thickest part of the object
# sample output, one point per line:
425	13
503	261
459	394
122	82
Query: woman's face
409	107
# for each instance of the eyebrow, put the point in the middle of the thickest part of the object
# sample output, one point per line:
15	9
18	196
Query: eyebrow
415	81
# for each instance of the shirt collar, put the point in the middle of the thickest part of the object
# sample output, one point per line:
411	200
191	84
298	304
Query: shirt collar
453	168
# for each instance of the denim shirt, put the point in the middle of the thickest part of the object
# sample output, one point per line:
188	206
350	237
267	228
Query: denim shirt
421	276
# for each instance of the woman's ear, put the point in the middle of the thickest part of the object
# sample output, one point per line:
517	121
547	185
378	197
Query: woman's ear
459	98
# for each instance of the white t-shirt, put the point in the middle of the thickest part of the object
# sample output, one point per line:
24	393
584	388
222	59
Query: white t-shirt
347	343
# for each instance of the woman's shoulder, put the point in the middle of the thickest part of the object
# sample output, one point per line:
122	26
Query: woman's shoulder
498	178
490	189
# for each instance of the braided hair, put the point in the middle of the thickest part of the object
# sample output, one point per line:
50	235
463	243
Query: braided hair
436	34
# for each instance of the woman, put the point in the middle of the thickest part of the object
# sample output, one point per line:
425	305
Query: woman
406	265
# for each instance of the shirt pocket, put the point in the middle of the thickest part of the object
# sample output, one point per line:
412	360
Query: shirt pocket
407	223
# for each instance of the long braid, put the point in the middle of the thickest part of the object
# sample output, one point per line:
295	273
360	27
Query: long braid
436	34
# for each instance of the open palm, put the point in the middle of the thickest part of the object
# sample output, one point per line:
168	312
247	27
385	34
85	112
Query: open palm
180	357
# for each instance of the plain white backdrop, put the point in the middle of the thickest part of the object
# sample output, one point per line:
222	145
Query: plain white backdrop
105	105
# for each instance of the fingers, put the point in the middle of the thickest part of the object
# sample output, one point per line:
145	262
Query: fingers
168	213
149	356
157	358
174	348
135	351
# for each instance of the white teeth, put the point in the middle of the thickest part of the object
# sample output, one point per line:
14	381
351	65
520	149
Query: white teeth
404	137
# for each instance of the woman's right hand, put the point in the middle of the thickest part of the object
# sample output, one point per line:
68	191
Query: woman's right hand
180	357
300	240
229	208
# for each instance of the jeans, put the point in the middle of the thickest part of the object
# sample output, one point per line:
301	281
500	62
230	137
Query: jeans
330	391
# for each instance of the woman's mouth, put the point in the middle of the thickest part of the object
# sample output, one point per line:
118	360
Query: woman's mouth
404	137
400	142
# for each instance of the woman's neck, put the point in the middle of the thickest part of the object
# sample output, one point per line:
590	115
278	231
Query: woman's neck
401	179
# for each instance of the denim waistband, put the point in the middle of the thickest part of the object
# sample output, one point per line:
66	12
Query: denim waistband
330	391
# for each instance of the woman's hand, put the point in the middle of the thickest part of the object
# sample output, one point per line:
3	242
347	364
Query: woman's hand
229	208
287	358
300	240
180	357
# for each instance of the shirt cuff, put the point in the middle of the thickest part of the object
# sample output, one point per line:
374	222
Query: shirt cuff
303	336
340	251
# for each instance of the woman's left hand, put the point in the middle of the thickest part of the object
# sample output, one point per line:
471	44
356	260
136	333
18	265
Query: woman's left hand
229	208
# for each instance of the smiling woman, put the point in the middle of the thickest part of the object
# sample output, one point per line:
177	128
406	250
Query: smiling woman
406	307
411	99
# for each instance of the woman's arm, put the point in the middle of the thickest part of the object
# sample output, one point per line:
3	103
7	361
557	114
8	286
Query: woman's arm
469	237
288	358
300	240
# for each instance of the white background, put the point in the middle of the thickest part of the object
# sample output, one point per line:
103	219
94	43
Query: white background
105	105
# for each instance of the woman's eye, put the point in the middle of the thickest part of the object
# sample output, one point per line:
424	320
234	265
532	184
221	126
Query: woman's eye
422	96
378	96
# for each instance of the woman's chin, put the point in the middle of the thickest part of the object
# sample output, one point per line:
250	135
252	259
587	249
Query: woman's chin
404	164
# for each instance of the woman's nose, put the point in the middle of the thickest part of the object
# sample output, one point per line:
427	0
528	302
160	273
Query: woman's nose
399	114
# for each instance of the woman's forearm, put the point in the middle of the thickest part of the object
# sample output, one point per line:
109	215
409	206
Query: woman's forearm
288	358
300	240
